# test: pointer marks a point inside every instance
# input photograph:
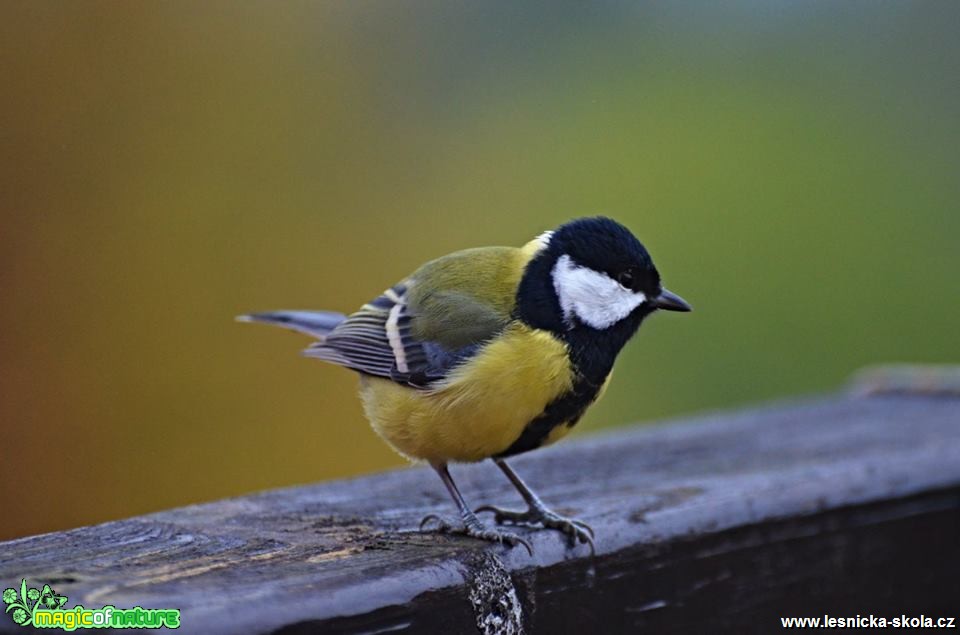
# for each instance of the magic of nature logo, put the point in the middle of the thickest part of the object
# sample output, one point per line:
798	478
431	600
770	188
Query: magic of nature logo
44	608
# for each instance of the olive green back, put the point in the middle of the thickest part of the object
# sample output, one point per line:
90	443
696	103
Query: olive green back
467	296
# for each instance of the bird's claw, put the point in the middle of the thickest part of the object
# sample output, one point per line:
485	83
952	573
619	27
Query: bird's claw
476	529
442	523
575	530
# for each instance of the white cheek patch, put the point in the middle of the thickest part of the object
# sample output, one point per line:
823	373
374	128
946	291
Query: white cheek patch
595	298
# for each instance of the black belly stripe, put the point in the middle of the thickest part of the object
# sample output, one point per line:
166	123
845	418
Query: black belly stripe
592	353
566	409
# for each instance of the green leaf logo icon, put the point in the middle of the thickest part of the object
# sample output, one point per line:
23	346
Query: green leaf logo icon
24	606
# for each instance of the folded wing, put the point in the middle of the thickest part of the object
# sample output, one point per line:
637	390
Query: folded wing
420	329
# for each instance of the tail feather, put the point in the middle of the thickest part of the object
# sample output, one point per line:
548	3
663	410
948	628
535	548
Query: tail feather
317	324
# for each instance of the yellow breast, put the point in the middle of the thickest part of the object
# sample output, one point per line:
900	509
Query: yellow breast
481	408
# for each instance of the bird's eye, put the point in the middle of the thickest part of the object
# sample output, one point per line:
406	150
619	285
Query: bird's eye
625	278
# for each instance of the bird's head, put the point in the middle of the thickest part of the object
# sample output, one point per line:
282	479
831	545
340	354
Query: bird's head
592	274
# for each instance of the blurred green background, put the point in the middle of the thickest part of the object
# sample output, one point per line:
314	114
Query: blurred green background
793	168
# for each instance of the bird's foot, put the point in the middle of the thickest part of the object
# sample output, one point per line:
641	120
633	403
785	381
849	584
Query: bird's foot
575	530
475	529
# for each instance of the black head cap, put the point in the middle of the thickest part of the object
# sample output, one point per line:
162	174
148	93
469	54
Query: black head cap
604	245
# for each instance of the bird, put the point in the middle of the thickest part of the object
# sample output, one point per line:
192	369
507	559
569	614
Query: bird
491	352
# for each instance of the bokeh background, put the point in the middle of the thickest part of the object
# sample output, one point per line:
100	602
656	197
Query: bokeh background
792	166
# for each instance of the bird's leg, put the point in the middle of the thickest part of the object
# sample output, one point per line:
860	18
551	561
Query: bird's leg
537	512
471	524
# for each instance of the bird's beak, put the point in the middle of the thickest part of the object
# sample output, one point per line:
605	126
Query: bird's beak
670	301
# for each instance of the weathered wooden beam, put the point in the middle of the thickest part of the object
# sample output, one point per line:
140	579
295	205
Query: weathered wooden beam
723	523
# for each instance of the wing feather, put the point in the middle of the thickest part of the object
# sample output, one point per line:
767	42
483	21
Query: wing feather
415	334
363	343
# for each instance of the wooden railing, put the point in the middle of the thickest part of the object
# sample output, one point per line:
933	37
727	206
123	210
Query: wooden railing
845	505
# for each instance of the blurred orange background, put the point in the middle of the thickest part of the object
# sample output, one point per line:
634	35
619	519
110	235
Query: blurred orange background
793	168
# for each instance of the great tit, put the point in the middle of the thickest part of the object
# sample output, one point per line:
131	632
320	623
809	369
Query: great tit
490	352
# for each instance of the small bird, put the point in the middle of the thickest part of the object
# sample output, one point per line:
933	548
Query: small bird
490	352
